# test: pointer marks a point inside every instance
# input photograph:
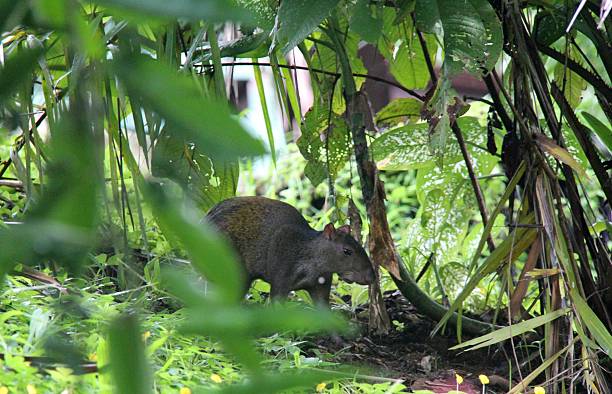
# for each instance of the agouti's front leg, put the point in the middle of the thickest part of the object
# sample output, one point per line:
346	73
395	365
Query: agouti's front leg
320	292
278	291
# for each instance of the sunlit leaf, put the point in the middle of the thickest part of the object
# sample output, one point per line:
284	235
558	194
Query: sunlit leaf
399	110
551	147
511	331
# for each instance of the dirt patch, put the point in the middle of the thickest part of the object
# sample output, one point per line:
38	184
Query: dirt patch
410	354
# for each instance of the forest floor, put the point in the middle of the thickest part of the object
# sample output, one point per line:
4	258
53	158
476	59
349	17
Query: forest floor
409	353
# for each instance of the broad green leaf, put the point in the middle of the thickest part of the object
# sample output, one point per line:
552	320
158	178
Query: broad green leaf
208	10
603	131
298	18
128	364
469	29
325	146
263	11
399	110
364	23
511	331
401	48
206	122
590	320
407	147
255	321
17	70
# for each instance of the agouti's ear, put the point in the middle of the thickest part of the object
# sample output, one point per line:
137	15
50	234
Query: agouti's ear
329	231
346	229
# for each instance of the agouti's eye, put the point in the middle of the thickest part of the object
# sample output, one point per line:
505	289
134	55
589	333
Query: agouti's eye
347	251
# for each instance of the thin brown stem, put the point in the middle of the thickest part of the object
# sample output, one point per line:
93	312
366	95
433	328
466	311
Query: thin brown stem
332	73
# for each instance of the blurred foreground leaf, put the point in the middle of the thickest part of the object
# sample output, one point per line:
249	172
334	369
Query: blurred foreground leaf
128	364
203	121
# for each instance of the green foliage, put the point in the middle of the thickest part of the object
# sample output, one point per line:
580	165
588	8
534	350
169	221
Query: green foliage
470	31
114	121
297	19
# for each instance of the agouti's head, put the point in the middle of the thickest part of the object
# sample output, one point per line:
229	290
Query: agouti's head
346	256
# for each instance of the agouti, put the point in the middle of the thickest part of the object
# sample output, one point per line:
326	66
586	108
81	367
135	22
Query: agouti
276	244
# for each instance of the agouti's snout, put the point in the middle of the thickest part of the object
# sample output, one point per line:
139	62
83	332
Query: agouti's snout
362	278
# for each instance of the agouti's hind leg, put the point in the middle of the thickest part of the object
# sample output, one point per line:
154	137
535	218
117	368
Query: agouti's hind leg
278	292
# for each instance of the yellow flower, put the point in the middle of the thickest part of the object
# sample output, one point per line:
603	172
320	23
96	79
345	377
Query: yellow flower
484	379
93	357
539	390
216	378
185	390
320	387
3	390
146	335
31	389
458	378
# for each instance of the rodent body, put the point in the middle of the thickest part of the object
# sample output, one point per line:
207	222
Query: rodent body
276	244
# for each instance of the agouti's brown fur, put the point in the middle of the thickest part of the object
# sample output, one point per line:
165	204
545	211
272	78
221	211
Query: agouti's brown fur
276	244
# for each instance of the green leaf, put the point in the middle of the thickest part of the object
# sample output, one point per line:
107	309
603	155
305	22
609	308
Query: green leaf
603	131
128	364
407	147
17	70
401	48
592	323
469	29
208	10
511	331
550	146
325	158
363	23
206	122
571	83
399	110
264	12
264	108
298	18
